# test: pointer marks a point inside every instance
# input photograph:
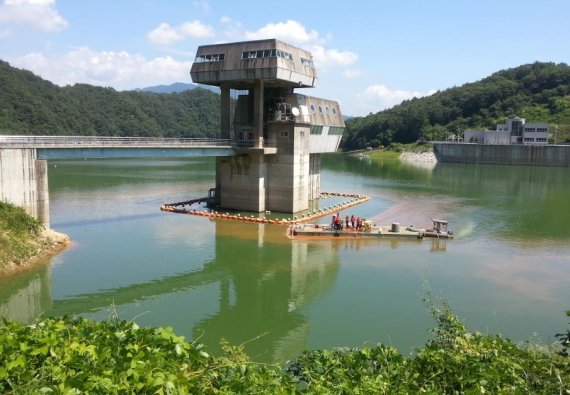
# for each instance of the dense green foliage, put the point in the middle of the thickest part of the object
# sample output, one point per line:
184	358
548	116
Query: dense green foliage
565	340
70	356
66	356
538	92
30	105
18	232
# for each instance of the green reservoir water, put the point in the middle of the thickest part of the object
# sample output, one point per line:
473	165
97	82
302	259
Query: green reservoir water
508	270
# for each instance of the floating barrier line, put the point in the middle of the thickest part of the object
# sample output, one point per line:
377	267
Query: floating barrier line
312	215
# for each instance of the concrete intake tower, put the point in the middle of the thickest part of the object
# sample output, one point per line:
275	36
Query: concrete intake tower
279	134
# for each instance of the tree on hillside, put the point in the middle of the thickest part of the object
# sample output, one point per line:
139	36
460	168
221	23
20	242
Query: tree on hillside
30	105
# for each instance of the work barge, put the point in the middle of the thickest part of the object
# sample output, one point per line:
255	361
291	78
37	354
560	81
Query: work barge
370	230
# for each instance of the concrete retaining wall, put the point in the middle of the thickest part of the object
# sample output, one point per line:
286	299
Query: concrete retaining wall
535	155
24	182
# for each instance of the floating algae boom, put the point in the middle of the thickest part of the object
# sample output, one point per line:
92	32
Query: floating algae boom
369	230
180	208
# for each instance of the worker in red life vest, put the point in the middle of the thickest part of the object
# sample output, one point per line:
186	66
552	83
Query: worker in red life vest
352	219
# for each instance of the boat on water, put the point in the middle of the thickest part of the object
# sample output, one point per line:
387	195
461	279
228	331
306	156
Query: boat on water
370	230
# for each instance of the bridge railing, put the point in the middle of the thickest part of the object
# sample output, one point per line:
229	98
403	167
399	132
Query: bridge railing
98	141
246	143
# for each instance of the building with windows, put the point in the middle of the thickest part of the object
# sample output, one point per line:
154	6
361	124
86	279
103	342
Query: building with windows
280	133
514	131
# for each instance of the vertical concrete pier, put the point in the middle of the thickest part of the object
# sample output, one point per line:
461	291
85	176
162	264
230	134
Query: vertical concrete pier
24	181
280	134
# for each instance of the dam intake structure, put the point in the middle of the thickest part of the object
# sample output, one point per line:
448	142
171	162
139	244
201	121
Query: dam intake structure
280	134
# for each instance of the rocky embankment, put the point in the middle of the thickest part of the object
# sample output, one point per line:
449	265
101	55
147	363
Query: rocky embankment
423	157
47	243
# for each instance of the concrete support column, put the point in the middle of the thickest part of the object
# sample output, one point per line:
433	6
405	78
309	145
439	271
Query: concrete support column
258	114
242	182
225	111
314	176
24	182
42	192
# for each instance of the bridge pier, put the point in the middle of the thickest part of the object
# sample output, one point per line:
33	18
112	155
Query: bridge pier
284	180
24	182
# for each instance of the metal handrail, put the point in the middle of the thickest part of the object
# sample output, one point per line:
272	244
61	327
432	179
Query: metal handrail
92	141
9	141
245	143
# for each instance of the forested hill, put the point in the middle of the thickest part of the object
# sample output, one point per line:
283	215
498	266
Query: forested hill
538	92
31	105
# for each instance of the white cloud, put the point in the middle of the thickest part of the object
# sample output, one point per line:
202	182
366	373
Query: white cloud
290	31
379	97
196	29
325	57
294	33
165	34
119	70
40	14
225	19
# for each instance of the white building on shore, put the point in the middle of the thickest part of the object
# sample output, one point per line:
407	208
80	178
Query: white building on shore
515	131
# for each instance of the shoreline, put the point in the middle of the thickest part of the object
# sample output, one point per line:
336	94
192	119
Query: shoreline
424	160
49	243
424	157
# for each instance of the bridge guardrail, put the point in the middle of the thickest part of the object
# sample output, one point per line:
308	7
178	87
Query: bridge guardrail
97	141
246	143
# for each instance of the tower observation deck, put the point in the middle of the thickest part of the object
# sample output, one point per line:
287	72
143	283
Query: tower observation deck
281	133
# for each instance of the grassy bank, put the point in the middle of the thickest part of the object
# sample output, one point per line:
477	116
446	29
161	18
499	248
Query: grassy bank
22	238
77	355
393	151
18	235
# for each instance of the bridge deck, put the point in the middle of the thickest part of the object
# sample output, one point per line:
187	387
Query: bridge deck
108	142
79	147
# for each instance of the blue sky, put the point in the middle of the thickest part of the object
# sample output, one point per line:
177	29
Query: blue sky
369	55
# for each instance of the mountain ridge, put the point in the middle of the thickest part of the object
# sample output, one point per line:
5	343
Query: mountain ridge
30	105
538	92
176	87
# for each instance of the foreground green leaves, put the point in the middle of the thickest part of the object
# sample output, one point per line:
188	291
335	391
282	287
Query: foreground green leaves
68	356
72	356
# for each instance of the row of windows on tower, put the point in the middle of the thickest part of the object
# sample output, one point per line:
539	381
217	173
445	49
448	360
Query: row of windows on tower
327	110
258	54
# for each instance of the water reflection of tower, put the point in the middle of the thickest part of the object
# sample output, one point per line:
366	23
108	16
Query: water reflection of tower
26	296
269	285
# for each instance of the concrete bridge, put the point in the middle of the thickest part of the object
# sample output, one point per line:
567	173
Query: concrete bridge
91	147
23	166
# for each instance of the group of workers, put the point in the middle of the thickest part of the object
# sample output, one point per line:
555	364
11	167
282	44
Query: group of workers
349	222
